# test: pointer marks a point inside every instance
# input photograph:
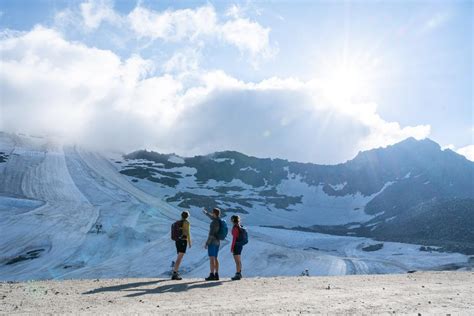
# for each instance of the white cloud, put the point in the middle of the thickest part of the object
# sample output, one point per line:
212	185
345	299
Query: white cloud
87	95
467	152
66	18
449	146
234	11
94	12
194	28
183	61
248	36
178	25
202	23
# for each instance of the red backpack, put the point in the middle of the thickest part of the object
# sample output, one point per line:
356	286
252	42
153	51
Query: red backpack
177	230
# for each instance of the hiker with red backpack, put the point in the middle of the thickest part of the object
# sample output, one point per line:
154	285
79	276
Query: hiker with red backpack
181	234
217	232
239	239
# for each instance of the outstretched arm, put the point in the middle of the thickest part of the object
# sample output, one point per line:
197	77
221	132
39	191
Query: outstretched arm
208	214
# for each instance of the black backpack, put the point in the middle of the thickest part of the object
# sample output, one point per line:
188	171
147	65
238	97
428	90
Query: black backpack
243	238
177	230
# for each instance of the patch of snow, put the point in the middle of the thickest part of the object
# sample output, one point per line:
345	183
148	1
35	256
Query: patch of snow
234	183
372	224
176	159
221	160
338	187
354	226
249	168
182	170
314	207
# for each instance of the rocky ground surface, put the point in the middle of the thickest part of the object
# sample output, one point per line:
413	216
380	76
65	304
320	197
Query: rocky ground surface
420	292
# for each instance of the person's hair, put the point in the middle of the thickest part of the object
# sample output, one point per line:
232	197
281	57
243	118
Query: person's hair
216	212
185	215
235	219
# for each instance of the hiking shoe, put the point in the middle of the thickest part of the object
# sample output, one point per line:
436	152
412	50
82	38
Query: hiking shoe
237	276
216	276
176	276
211	277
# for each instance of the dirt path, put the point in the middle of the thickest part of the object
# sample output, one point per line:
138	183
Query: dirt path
426	292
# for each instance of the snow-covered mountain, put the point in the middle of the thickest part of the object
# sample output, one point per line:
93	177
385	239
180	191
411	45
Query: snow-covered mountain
372	190
66	212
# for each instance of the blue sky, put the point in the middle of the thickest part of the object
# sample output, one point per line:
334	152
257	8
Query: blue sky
370	72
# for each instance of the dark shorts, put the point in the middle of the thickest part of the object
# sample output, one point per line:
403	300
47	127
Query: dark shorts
181	245
213	250
237	250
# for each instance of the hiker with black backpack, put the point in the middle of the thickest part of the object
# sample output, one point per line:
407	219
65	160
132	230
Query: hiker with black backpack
239	239
217	232
181	234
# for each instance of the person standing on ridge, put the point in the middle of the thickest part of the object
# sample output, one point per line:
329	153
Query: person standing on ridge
213	243
181	234
239	239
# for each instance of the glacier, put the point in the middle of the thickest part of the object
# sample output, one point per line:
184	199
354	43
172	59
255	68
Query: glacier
67	212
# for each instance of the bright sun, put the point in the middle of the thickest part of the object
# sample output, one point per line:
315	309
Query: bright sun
347	83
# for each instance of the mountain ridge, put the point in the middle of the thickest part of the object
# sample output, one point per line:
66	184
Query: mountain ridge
392	181
67	212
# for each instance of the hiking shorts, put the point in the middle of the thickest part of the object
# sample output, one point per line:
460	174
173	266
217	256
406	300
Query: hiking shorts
237	250
212	250
181	245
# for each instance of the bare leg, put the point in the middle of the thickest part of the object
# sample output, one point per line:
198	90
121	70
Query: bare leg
178	261
211	263
216	265
238	263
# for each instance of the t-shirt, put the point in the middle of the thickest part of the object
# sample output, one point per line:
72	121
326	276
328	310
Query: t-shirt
235	236
187	231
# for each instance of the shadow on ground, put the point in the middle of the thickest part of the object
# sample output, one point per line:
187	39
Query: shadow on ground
166	288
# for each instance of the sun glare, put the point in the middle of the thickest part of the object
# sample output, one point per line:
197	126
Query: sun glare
347	83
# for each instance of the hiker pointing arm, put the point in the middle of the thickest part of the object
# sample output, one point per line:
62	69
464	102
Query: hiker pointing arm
213	243
208	214
213	230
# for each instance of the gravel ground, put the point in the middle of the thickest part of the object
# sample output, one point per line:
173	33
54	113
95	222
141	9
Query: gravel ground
421	292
